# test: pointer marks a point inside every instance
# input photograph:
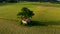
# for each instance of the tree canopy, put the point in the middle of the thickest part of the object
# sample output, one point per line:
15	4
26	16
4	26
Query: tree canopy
26	13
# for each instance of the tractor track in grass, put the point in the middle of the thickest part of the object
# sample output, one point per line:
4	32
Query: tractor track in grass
9	19
12	21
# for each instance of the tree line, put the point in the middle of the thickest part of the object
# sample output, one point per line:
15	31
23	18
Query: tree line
28	0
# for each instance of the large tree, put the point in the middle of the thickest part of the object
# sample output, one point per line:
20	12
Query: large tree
25	13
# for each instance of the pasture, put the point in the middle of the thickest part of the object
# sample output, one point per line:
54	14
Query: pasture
45	13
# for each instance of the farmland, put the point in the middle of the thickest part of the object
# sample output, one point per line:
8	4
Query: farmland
45	13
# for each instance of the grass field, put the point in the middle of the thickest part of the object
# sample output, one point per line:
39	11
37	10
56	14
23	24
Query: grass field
48	14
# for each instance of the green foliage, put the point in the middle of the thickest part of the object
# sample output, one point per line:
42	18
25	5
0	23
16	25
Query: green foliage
25	12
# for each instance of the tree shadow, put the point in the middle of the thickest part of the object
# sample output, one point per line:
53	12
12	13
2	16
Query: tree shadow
37	23
53	23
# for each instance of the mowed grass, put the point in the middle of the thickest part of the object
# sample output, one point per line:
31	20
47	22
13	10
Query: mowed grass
43	14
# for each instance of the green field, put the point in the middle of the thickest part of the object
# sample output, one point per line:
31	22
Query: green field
45	13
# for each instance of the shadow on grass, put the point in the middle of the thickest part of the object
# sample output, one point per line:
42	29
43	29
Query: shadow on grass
37	23
53	23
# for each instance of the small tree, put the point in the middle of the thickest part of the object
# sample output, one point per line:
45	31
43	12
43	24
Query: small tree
25	13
